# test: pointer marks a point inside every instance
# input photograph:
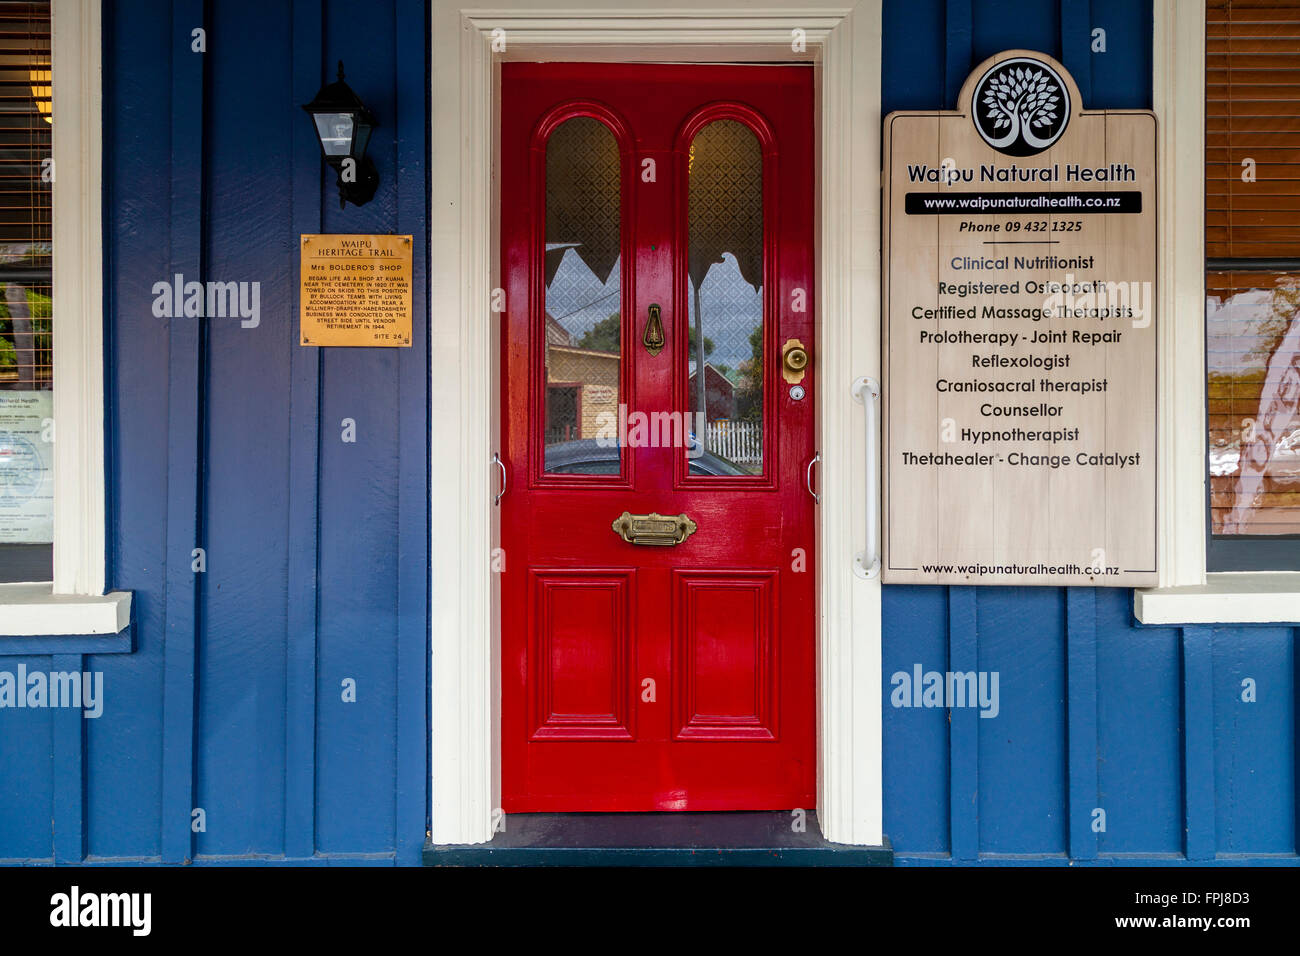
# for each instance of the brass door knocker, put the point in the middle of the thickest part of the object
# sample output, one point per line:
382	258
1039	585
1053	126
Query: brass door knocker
653	337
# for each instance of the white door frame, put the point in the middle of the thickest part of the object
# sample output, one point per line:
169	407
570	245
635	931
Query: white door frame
844	44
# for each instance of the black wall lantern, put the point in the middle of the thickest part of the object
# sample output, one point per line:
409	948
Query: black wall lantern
343	126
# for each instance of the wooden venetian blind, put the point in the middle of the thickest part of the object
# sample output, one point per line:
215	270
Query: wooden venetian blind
1252	113
26	182
1252	238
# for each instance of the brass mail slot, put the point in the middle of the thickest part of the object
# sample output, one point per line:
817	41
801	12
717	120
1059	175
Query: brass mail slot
653	528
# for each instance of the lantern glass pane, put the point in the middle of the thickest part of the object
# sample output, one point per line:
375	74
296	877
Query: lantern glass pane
362	140
335	131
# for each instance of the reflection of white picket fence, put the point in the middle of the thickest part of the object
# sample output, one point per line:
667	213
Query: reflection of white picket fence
741	442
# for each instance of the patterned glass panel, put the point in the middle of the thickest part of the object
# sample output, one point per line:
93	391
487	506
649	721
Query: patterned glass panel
1253	351
725	300
584	326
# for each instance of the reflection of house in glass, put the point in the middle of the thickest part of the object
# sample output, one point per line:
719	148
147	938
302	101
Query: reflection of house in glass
729	434
581	255
581	387
719	392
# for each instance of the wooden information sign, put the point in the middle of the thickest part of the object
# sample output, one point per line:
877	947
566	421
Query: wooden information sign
1019	409
355	290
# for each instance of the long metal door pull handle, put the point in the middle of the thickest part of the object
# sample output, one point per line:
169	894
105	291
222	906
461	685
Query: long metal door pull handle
866	564
807	477
496	459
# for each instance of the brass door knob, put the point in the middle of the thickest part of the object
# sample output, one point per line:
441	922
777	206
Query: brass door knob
794	360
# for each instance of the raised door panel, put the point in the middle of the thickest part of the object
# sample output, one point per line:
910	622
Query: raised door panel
582	648
725	661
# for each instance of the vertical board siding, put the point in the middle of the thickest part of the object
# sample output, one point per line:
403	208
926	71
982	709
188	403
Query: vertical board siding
1022	751
185	440
304	463
229	438
1254	750
1139	731
998	25
1081	721
69	818
913	55
917	765
241	720
915	624
964	792
1199	783
1097	713
27	783
412	111
1121	76
317	554
124	747
1076	43
959	45
356	742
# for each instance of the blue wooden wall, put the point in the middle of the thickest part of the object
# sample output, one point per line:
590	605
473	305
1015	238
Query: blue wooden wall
230	439
229	696
1147	724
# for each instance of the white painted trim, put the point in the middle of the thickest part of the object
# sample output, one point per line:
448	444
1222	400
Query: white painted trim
1254	597
79	519
1186	594
32	610
1178	57
465	704
849	730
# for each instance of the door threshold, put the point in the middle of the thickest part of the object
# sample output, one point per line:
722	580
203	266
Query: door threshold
748	838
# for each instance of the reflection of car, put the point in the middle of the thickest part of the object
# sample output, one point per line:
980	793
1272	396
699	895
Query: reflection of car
588	456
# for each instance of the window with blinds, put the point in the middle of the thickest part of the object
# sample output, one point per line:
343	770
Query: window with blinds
26	347
1252	241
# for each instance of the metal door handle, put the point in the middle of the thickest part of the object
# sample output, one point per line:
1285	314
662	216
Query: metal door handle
653	528
807	477
866	564
502	465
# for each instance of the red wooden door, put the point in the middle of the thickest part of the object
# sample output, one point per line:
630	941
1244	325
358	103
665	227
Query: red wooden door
635	676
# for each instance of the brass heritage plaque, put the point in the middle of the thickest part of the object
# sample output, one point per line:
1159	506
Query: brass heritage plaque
355	290
1019	410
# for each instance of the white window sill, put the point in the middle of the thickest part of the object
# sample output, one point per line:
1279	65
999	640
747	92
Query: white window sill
33	610
1246	597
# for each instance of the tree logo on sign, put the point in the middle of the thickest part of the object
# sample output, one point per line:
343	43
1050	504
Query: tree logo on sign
1021	106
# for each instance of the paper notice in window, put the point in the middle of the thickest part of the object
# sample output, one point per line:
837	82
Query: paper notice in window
26	467
355	291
